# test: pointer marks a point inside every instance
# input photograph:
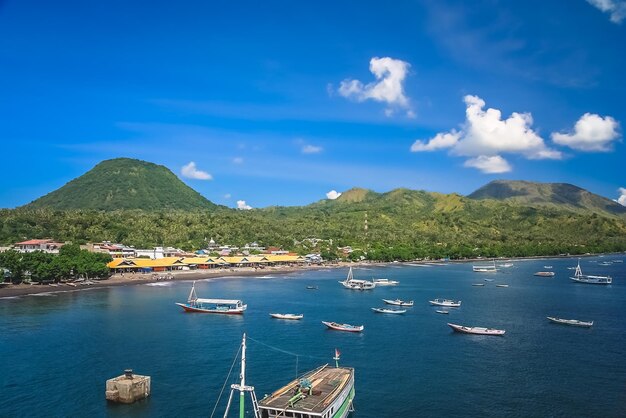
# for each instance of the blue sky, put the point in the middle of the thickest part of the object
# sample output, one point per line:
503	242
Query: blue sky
279	103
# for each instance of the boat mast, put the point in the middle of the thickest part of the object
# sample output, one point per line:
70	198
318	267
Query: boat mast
242	411
578	271
192	295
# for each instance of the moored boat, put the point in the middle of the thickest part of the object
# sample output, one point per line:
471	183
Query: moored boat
476	330
442	312
385	282
502	285
572	322
478	284
589	279
343	327
389	311
398	302
547	267
219	306
485	268
545	274
351	283
445	302
287	316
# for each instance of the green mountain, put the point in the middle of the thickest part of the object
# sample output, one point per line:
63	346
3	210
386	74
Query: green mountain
563	195
124	183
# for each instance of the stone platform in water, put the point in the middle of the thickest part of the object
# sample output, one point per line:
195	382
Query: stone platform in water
127	388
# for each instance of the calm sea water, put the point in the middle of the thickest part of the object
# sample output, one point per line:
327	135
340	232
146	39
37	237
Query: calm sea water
56	352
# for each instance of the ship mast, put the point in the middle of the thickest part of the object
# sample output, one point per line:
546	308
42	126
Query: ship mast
242	388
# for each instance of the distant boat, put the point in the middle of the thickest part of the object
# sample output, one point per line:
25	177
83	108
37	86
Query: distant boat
385	282
344	327
478	284
545	274
389	311
573	322
488	280
398	302
442	312
547	267
606	263
286	316
485	268
312	287
476	330
618	261
588	279
446	302
502	285
219	306
571	268
351	283
505	265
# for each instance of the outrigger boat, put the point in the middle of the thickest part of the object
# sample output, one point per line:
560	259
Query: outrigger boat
219	306
476	330
573	322
588	279
385	282
354	284
389	311
446	302
398	302
326	392
286	316
344	327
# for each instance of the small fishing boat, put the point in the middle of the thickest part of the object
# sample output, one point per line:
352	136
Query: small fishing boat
344	327
588	279
442	312
506	265
572	322
389	311
545	274
286	316
485	268
398	302
446	302
351	283
547	267
488	280
502	285
385	282
478	284
605	263
476	330
219	306
312	287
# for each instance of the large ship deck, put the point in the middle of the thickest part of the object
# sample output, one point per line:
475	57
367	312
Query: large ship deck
327	383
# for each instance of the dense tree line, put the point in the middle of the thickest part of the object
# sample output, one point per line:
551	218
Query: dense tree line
70	263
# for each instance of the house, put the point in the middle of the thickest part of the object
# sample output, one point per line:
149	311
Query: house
46	245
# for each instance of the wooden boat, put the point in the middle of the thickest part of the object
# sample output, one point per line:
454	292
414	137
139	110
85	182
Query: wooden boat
385	282
442	312
572	322
588	279
485	268
344	327
351	283
476	330
478	284
446	302
545	274
502	285
389	311
219	306
398	302
286	316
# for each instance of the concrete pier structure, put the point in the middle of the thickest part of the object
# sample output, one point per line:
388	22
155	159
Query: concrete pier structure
127	388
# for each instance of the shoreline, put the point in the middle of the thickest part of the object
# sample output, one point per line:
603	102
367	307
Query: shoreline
134	279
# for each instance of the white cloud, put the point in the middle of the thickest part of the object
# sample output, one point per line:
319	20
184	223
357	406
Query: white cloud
591	133
489	164
388	87
238	160
241	204
227	196
191	171
616	8
485	134
333	194
311	149
622	196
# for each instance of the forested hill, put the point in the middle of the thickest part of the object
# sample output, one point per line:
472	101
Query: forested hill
124	183
563	195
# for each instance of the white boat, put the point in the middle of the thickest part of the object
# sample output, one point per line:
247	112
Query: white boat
446	302
485	268
354	284
442	312
547	267
219	306
589	279
502	285
573	322
478	284
286	316
398	302
476	330
488	280
343	327
505	265
385	282
605	263
389	311
545	274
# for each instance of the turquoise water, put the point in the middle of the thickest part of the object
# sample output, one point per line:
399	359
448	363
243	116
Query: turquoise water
56	352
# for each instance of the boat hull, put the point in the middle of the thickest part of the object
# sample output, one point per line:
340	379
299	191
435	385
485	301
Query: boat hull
445	304
604	281
571	322
398	302
389	311
284	316
343	327
476	330
189	308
